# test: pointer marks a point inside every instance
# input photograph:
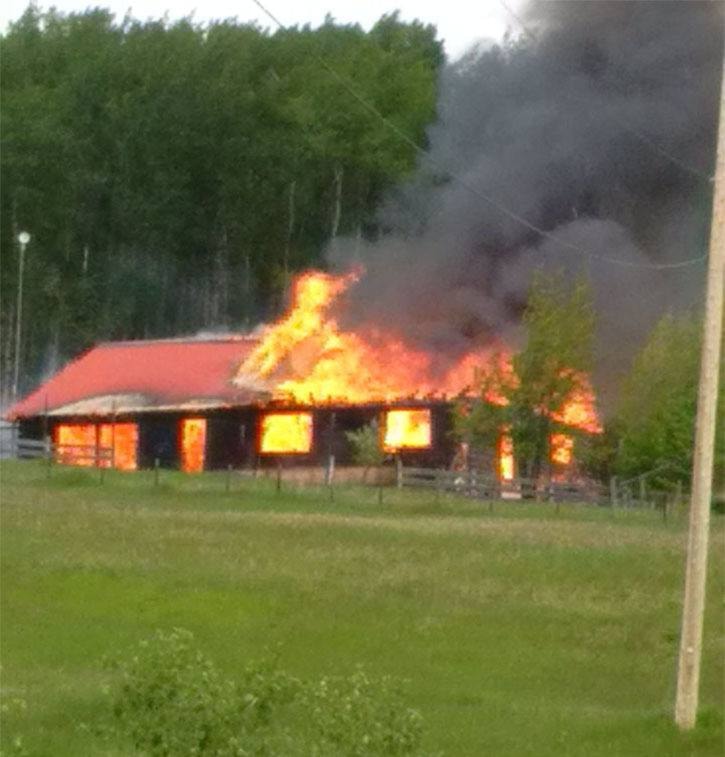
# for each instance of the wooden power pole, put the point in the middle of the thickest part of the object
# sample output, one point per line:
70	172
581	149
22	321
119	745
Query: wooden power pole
688	673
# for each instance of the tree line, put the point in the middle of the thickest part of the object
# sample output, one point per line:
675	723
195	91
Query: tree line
173	175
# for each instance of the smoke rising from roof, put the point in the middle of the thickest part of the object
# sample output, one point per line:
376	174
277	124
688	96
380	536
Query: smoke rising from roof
598	125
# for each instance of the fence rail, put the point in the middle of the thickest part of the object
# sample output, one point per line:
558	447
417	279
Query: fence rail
631	493
37	449
478	485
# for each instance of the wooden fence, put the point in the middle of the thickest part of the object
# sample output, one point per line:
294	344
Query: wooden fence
481	486
89	455
634	493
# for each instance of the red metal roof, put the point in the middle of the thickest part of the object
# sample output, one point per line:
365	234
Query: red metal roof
144	375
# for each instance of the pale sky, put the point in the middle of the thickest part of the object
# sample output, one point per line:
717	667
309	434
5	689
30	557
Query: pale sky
460	23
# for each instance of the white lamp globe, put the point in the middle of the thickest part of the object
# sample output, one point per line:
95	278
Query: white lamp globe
23	237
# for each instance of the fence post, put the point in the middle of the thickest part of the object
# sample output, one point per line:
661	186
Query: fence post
613	492
48	456
279	476
156	471
642	489
399	471
330	469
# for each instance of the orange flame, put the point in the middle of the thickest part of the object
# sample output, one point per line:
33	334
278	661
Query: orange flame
308	358
193	444
506	457
122	439
561	448
407	429
580	410
77	442
286	432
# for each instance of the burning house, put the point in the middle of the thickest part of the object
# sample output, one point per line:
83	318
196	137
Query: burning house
176	401
291	391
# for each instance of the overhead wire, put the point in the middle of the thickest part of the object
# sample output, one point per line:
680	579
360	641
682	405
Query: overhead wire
503	209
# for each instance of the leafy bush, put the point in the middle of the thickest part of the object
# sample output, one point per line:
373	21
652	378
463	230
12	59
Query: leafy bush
171	700
359	715
366	448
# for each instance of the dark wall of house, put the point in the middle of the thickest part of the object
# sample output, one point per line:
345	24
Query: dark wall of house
232	436
158	438
231	439
33	428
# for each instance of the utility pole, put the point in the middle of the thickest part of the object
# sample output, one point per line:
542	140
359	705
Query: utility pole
693	610
23	239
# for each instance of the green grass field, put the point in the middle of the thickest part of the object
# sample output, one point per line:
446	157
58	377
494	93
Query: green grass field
521	631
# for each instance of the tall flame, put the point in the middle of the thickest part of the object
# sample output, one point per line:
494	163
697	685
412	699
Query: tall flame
307	357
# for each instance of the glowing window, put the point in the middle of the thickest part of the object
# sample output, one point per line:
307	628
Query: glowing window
506	457
284	433
76	444
122	440
562	449
407	429
193	444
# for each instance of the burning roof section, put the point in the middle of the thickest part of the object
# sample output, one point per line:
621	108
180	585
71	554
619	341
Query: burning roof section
305	358
136	376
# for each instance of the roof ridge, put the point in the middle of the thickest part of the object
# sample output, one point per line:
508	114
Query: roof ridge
248	337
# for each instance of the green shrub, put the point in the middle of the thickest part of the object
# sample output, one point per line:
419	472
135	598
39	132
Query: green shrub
359	715
171	701
366	448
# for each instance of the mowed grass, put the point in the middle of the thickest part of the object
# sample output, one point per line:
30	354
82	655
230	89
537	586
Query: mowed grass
521	631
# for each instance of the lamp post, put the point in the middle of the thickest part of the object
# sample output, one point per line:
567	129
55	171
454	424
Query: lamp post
23	239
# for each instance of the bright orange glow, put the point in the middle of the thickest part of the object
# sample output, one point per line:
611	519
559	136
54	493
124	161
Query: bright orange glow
562	449
193	443
284	433
122	439
407	429
307	357
77	442
580	411
506	457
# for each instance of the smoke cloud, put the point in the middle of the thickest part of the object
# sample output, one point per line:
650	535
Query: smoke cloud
596	123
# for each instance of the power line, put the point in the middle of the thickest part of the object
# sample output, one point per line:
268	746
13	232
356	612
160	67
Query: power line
503	209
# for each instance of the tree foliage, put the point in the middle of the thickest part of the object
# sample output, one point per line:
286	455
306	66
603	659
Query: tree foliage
546	373
549	370
366	448
654	424
172	175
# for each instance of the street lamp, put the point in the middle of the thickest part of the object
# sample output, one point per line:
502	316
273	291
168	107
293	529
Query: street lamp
23	239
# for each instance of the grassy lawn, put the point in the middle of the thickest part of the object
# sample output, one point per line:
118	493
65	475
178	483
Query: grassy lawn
520	631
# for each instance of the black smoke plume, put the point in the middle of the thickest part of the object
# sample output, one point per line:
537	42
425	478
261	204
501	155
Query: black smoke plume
596	122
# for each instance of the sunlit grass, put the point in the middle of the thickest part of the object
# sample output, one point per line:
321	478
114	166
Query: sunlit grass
519	631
